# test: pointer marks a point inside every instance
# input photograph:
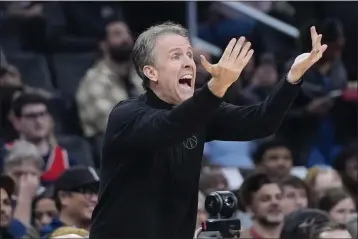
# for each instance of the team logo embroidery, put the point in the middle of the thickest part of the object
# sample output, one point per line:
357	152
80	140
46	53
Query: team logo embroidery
191	142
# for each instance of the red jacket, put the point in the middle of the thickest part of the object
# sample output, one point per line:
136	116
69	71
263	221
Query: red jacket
55	162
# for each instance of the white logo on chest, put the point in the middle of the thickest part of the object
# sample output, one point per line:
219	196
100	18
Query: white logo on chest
190	143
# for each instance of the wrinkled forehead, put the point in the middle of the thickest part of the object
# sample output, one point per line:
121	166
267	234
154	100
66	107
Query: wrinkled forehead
167	43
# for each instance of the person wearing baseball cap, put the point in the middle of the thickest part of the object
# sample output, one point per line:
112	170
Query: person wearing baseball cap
75	195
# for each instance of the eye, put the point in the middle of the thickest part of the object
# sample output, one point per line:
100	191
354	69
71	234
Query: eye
190	55
176	56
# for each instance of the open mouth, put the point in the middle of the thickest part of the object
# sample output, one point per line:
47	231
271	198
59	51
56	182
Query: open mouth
186	80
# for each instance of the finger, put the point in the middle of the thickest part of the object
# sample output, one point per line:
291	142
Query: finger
248	56
318	42
244	51
228	50
313	35
205	64
314	55
236	51
323	48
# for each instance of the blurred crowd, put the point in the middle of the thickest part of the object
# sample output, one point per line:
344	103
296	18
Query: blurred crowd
65	65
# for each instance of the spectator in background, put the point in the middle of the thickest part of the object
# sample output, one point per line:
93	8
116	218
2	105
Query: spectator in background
264	79
23	159
212	179
7	187
352	226
312	224
15	222
10	86
23	26
273	157
262	198
69	232
295	194
346	164
202	76
75	196
338	204
312	123
43	209
202	214
34	123
319	180
111	80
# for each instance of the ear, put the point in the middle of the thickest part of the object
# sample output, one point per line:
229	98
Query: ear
16	121
151	73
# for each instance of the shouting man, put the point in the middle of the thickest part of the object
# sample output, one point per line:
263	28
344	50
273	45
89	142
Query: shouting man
153	146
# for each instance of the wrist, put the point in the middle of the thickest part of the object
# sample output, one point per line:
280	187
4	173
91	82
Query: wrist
291	78
24	197
217	88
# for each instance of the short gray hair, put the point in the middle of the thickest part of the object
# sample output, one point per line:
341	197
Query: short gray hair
142	53
22	151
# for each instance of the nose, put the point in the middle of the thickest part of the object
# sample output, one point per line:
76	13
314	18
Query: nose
188	62
45	219
93	198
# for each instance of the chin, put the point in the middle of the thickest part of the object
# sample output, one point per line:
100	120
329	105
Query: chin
183	96
275	219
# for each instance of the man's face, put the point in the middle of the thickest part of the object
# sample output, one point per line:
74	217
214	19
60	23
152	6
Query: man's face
81	203
119	41
5	209
45	211
26	168
173	74
277	162
267	205
293	199
34	123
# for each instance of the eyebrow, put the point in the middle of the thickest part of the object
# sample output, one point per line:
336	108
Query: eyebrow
179	49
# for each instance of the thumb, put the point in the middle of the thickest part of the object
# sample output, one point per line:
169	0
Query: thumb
205	64
313	55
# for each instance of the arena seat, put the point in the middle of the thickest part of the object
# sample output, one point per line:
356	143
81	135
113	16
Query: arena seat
33	68
69	70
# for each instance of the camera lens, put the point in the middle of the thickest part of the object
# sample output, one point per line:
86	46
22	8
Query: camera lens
229	202
221	203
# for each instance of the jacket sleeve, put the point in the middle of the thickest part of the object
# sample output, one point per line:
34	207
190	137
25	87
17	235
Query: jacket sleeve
140	126
244	123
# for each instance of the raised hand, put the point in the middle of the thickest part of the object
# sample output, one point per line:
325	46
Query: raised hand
304	61
235	57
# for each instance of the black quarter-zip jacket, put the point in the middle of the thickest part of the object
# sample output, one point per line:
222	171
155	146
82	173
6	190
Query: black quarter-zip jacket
151	158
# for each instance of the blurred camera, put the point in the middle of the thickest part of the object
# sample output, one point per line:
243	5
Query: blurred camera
221	206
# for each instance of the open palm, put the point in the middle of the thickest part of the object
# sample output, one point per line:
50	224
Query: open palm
304	61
